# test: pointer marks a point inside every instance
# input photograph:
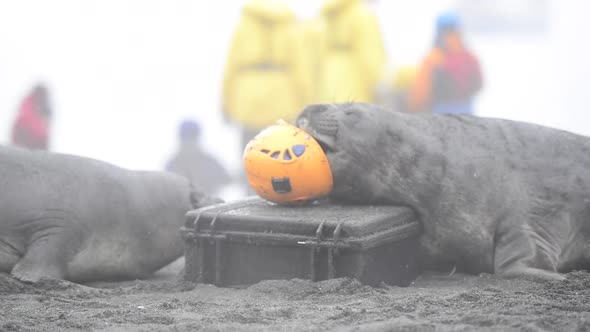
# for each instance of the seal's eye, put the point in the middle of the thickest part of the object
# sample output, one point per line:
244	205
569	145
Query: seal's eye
352	114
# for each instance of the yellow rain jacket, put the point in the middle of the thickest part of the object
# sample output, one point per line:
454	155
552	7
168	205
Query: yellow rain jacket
312	31
266	77
353	54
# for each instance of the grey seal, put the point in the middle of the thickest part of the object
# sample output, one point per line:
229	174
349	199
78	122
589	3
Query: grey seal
492	195
80	219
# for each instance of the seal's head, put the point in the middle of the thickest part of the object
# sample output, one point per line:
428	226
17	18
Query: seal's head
352	138
376	156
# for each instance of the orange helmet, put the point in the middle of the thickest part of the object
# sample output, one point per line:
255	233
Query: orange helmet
284	164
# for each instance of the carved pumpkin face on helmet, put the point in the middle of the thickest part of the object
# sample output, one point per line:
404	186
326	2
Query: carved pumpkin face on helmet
285	165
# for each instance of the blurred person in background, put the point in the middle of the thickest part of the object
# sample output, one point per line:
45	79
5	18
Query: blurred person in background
404	78
195	164
266	75
312	31
31	127
352	57
450	75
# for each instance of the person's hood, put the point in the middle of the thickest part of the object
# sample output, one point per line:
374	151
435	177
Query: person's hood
269	10
333	6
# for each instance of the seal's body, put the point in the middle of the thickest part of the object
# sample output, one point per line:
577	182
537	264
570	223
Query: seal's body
492	195
75	218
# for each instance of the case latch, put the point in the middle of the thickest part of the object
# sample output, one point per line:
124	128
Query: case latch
332	247
202	236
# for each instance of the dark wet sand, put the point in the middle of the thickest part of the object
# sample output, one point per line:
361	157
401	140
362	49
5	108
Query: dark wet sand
433	302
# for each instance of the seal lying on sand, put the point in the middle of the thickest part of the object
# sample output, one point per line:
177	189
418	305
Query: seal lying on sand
74	218
492	195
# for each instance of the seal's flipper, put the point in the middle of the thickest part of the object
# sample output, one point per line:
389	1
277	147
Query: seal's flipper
40	262
29	270
52	245
522	250
10	253
529	272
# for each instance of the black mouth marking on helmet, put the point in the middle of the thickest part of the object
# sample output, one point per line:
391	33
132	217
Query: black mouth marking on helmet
281	185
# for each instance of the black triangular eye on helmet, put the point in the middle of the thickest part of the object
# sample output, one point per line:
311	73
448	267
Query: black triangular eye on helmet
281	185
287	155
275	155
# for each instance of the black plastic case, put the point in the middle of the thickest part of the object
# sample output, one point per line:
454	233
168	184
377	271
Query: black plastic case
247	241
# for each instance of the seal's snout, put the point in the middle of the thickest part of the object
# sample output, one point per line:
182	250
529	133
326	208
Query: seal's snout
320	122
327	144
324	130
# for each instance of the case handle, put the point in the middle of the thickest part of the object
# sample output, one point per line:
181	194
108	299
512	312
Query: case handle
314	250
333	250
